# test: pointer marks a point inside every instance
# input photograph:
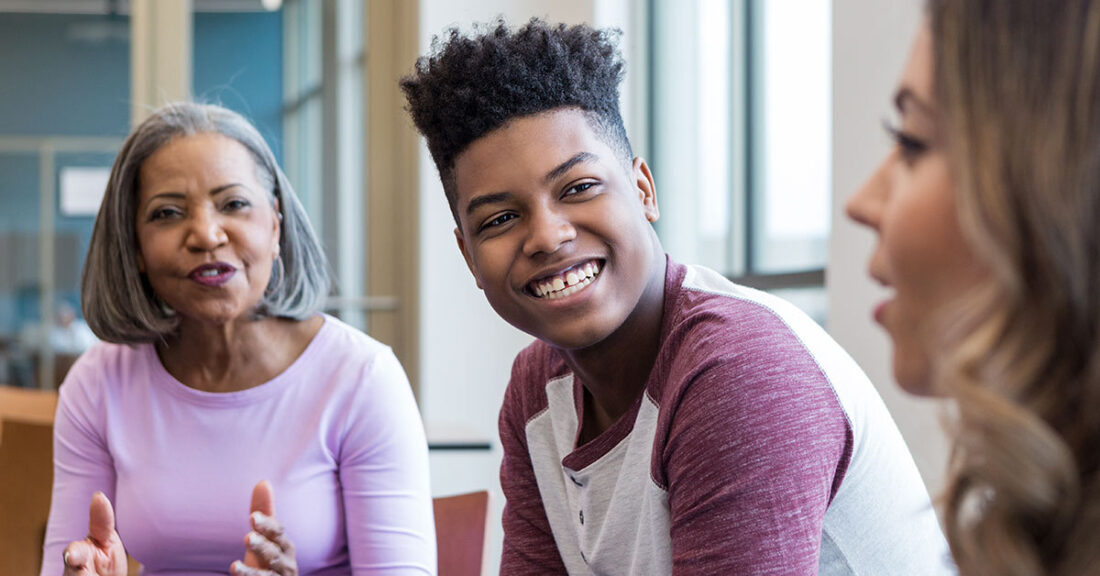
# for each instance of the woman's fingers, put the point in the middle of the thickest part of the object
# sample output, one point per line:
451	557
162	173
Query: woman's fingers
101	553
269	557
267	549
272	530
269	553
101	520
77	557
239	568
263	498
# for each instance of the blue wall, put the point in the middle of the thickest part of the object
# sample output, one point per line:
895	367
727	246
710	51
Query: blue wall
56	83
238	63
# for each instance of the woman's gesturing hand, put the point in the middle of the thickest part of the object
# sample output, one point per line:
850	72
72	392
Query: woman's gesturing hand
101	553
268	552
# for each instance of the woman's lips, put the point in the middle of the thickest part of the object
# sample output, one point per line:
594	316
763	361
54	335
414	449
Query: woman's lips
214	275
880	311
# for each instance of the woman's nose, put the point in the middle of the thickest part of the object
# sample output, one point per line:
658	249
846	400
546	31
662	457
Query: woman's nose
205	231
866	205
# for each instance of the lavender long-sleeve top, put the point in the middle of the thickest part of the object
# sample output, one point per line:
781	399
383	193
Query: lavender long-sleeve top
337	434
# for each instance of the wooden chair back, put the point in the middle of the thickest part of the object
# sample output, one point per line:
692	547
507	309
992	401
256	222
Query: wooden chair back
462	533
26	475
26	479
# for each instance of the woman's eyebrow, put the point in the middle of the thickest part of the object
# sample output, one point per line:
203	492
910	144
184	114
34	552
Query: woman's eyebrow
906	96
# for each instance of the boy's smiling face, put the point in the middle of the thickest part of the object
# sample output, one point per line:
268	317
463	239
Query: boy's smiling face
555	229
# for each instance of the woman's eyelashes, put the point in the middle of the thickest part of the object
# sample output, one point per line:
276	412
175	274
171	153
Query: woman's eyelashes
910	146
168	211
164	212
235	204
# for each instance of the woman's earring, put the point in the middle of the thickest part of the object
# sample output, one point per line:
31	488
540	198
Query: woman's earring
278	272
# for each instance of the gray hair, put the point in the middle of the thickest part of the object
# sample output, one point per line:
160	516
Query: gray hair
119	304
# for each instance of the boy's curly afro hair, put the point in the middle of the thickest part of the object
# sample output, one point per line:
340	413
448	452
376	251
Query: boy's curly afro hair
471	85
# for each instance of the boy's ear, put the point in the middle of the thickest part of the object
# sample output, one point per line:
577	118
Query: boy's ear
647	190
466	256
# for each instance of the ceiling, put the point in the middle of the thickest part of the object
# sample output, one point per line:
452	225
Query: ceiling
123	6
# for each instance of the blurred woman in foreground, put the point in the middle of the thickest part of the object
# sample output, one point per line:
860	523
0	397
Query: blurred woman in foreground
988	218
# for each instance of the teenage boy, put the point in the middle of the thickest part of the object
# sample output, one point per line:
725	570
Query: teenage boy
666	420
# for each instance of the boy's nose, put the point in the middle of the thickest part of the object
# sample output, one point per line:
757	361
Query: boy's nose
547	231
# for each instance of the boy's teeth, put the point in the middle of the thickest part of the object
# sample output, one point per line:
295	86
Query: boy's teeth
569	283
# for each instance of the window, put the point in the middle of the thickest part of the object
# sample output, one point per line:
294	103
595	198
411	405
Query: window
740	135
323	121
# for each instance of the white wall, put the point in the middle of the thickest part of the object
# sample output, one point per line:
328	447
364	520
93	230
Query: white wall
870	42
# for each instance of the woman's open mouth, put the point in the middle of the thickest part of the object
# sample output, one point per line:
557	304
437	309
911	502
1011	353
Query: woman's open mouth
215	274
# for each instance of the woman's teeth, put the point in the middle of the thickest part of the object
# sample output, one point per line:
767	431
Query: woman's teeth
568	283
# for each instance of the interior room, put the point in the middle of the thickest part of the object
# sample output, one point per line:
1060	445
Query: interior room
759	119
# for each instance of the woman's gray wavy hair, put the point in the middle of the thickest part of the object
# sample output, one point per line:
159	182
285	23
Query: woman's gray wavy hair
119	304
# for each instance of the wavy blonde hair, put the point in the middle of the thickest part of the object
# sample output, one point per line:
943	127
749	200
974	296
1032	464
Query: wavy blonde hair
1018	85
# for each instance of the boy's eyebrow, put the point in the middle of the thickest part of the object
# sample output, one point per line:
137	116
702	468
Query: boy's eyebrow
486	199
565	166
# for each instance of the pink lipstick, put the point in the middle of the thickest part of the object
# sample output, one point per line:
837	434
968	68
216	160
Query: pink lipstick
214	274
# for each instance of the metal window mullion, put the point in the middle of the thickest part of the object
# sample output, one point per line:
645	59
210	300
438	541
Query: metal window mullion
46	264
739	140
750	155
330	160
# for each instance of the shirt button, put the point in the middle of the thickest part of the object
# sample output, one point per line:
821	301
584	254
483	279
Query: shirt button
582	516
574	479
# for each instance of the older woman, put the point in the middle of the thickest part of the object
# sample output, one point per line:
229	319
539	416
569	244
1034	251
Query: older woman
206	280
988	217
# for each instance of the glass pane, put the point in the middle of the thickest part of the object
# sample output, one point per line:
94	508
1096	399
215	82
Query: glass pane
237	62
19	273
811	299
712	116
80	180
791	92
693	152
64	75
64	104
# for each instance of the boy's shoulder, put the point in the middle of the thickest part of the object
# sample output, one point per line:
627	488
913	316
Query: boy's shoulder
744	340
707	314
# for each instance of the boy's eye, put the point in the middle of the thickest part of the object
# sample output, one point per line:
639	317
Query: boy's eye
579	188
497	221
